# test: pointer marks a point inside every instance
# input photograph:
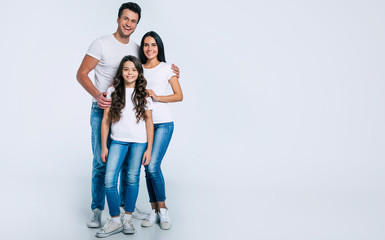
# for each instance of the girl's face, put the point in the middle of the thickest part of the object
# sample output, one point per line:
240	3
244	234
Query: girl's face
129	73
150	49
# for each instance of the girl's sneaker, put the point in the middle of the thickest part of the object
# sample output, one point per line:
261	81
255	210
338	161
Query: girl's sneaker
111	227
150	219
137	214
128	227
165	220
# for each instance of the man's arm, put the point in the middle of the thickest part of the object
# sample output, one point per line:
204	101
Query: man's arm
88	64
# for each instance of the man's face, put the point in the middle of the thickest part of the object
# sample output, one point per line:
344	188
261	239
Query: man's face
127	22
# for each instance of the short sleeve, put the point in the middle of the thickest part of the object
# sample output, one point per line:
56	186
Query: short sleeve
149	105
169	72
109	92
96	49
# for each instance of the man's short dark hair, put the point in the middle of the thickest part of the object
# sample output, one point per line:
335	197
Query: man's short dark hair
130	6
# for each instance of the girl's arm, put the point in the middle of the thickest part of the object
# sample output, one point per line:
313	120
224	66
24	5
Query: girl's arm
105	128
176	97
150	138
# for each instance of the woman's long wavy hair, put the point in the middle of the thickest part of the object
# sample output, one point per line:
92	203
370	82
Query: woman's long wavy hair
138	97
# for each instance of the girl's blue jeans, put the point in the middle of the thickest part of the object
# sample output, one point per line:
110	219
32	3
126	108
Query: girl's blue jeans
98	166
117	154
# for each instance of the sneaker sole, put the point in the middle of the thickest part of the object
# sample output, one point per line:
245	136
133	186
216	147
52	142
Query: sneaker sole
93	226
103	235
146	225
129	232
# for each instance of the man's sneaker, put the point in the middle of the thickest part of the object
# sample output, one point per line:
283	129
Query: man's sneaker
150	219
111	227
165	220
95	221
128	227
137	214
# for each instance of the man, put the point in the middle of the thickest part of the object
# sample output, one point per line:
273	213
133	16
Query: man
104	56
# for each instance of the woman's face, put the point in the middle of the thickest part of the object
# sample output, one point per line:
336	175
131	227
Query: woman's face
129	73
150	49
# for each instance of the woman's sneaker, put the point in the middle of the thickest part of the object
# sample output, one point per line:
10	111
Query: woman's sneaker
111	227
95	221
128	227
150	219
165	220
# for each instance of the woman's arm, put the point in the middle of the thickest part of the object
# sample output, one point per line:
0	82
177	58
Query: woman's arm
150	138
105	128
176	97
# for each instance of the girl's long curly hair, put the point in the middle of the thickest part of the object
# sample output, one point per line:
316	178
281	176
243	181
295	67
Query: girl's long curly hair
138	97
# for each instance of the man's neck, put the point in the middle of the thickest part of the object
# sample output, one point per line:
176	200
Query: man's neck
121	39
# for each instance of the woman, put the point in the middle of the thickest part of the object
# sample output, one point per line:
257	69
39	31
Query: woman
159	76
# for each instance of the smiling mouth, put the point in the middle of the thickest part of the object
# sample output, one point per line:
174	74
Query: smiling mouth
126	28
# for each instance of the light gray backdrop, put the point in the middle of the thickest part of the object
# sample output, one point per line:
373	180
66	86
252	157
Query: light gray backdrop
280	135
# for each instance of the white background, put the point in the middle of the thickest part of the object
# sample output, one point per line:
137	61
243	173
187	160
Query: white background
280	134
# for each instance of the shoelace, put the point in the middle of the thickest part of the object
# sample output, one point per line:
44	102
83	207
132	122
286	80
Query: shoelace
129	222
107	226
94	216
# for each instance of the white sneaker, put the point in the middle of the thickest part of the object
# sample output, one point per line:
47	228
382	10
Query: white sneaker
165	220
150	219
128	227
111	227
137	214
95	220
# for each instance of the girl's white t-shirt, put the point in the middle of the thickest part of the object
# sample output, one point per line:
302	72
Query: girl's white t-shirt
157	80
127	129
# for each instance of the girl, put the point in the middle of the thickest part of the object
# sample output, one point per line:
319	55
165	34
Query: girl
132	134
159	76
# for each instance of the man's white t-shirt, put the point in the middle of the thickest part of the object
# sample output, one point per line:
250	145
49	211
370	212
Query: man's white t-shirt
157	80
109	51
127	129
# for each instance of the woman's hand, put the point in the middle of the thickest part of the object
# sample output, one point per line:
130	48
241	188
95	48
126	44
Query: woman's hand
152	94
104	154
146	158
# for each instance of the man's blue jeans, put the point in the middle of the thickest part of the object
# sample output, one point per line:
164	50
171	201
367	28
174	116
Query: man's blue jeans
118	153
154	177
98	166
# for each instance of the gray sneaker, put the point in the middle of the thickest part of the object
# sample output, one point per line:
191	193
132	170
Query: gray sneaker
128	227
109	228
95	221
165	220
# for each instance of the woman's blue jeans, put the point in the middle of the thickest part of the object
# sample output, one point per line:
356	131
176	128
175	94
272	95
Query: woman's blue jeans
154	177
118	153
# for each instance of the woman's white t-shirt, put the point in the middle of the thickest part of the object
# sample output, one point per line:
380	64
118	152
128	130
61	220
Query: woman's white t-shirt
157	80
127	129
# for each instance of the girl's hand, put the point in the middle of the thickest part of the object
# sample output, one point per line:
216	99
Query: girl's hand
152	94
104	154
146	158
